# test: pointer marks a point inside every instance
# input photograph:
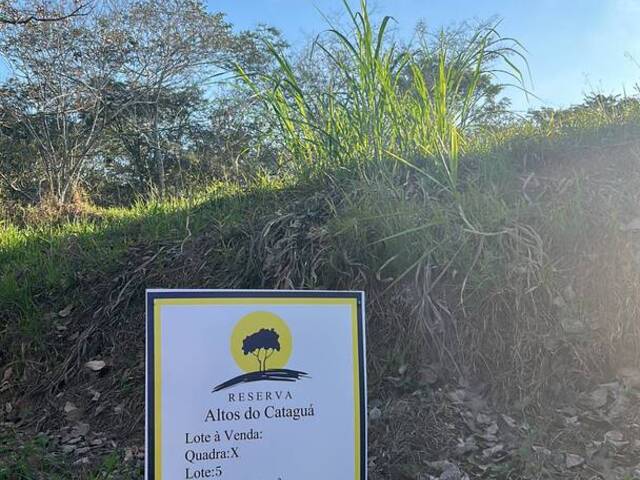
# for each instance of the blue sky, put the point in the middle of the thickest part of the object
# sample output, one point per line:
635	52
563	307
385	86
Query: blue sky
574	46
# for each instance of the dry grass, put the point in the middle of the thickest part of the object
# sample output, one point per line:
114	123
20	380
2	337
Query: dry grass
480	308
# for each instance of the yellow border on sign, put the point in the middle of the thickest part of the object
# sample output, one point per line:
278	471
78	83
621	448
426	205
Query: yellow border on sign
157	395
159	302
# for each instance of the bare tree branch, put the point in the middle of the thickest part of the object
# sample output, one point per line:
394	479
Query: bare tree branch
14	15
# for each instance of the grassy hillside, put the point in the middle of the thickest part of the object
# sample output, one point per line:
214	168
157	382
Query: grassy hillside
499	256
518	291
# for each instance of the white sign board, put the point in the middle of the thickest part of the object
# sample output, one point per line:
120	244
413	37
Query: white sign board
255	385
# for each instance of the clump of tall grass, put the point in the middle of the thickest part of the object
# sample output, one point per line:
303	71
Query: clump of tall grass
385	105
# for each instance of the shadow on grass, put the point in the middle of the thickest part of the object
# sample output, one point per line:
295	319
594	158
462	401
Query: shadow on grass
44	269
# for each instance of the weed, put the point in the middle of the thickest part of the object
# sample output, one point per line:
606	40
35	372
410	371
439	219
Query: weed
384	106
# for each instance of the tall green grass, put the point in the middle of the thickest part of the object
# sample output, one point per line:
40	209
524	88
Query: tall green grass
384	105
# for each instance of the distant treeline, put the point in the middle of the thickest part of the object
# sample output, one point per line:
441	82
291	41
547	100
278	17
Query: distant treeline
126	99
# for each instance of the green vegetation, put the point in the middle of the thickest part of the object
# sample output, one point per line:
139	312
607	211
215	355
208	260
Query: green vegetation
385	106
406	226
490	246
44	259
37	459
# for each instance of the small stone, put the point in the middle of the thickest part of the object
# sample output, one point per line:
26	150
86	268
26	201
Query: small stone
490	452
457	396
573	460
483	419
438	465
492	429
95	395
571	421
598	398
615	438
375	414
80	430
128	455
591	449
95	365
68	448
489	438
65	311
509	421
465	446
73	413
428	376
451	472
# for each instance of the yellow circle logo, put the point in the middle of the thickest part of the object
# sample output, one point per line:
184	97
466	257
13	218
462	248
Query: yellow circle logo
261	341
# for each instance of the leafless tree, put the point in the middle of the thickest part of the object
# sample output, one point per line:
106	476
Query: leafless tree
63	72
16	12
138	65
176	46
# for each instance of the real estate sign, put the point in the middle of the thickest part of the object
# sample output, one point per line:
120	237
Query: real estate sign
255	385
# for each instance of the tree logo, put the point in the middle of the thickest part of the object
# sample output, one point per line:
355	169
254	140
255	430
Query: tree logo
261	345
